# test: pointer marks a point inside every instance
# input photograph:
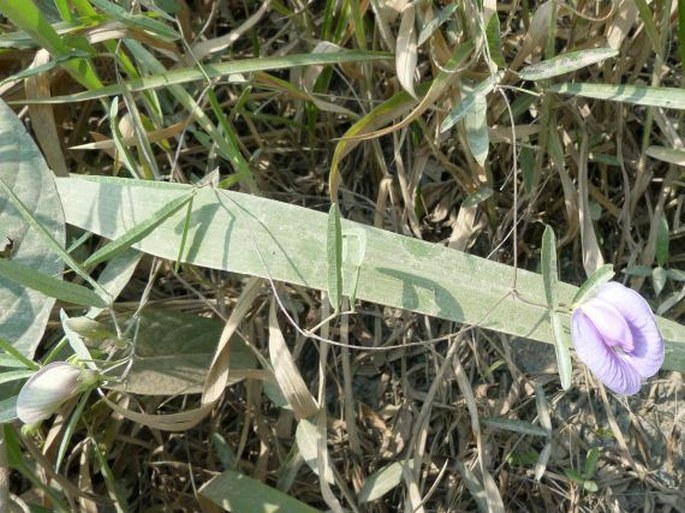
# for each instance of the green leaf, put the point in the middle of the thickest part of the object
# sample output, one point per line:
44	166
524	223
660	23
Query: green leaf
241	494
517	426
381	482
591	461
25	176
550	278
138	232
476	124
469	101
248	235
26	16
659	276
662	240
601	275
671	155
667	97
52	287
174	351
550	273
334	254
562	343
166	78
566	63
494	39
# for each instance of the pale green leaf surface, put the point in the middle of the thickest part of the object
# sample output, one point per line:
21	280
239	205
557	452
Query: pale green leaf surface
670	155
67	291
550	277
518	426
566	63
174	351
381	482
477	130
238	493
667	97
210	71
248	235
24	312
334	253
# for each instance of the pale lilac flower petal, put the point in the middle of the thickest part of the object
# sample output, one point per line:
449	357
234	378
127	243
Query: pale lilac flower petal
611	325
47	390
607	364
647	355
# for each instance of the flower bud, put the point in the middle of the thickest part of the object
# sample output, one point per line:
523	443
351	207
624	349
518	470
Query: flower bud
49	388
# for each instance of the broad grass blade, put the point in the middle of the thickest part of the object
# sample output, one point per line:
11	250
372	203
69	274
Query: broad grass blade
566	63
671	155
245	234
381	482
238	493
666	97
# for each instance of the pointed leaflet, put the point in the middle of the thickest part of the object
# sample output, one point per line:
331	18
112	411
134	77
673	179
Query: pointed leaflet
334	254
601	275
550	280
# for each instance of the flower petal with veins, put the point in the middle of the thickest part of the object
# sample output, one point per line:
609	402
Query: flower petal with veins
615	334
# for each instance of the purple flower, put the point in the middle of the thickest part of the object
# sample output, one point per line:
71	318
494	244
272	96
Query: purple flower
615	334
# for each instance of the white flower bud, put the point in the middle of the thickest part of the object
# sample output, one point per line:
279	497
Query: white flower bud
49	388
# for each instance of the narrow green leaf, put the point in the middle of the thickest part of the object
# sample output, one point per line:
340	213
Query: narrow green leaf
334	254
662	240
138	232
591	461
26	16
659	276
566	63
601	275
241	494
56	246
468	102
494	39
650	27
517	426
561	349
21	360
666	97
476	124
184	236
52	287
671	155
141	21
550	273
166	78
8	376
550	278
381	482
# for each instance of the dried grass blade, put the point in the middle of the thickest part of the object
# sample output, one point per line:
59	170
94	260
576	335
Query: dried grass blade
217	375
406	51
286	372
43	116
